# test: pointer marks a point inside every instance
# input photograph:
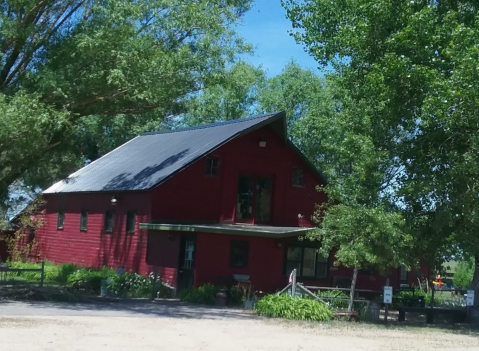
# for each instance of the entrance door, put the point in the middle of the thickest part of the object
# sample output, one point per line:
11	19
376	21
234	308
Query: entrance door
187	262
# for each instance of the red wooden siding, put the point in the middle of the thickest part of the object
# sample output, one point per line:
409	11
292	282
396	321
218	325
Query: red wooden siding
213	261
193	196
163	251
266	265
95	248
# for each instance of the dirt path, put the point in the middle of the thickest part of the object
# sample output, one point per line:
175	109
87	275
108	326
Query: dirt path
212	332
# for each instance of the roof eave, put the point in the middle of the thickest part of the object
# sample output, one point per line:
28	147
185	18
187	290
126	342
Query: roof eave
226	230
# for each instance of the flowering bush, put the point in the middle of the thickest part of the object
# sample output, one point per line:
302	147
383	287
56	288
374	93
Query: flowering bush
130	284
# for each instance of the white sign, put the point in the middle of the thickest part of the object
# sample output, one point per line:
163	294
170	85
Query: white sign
388	294
470	298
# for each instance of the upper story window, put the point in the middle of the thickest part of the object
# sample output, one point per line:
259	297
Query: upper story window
254	196
212	167
109	220
297	178
60	219
83	220
307	261
130	221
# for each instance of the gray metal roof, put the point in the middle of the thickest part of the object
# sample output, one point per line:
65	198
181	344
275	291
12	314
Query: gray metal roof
231	229
151	158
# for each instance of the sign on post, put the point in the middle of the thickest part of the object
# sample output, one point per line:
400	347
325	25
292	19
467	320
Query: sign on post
470	298
388	294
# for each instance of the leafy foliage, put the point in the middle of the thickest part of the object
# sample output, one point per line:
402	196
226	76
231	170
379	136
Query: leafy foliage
204	294
130	284
50	270
363	235
285	306
235	95
64	271
90	279
80	77
464	274
405	75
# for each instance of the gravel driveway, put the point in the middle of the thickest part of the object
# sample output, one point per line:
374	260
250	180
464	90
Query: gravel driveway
173	326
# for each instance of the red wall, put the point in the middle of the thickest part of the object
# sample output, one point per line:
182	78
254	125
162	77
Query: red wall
266	265
193	196
95	248
163	252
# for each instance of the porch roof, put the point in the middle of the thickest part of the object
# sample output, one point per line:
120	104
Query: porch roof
231	229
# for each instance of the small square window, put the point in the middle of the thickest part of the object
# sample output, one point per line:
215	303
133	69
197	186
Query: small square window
83	220
109	220
212	166
60	219
130	221
239	253
298	177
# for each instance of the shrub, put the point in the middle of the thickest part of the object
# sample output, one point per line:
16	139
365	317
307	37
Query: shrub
404	298
205	294
89	279
463	275
285	306
130	284
235	296
64	271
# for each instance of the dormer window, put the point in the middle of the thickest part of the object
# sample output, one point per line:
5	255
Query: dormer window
212	168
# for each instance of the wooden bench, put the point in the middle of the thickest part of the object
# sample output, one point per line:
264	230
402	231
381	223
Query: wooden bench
459	314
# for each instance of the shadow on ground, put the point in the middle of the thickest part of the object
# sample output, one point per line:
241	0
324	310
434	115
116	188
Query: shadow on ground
132	308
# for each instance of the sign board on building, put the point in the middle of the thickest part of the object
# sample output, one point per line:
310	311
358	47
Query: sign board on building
470	298
388	294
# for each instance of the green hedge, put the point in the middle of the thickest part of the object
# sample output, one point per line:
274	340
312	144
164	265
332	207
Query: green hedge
285	306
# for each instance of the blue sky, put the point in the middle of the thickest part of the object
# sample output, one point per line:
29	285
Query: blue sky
266	27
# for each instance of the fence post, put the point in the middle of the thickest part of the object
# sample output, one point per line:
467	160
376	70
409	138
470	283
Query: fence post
43	274
153	286
293	284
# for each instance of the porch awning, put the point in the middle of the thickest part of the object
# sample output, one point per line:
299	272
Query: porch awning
231	229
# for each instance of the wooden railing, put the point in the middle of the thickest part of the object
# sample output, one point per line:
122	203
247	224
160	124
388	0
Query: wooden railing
5	270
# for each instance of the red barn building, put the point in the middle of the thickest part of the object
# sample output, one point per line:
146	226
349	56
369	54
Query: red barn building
201	204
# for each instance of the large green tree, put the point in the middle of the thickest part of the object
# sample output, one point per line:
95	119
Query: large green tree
409	72
235	95
78	77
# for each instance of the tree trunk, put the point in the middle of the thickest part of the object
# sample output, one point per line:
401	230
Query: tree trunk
353	286
475	281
